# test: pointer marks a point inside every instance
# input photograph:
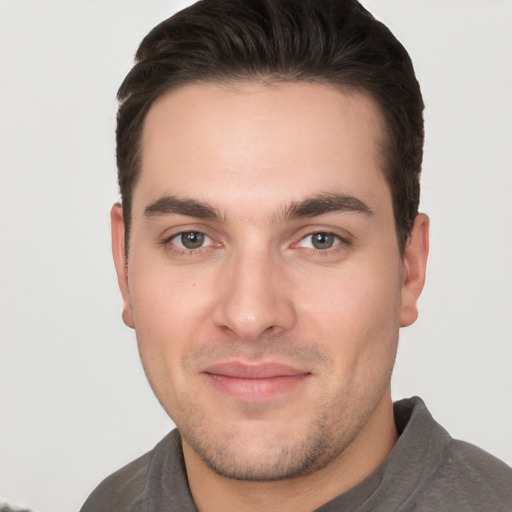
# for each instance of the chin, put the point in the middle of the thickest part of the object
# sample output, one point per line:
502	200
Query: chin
265	452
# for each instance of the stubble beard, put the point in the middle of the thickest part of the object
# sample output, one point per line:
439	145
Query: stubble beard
260	454
296	456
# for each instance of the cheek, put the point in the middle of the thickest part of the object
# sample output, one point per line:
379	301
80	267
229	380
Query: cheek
359	319
165	301
169	311
356	297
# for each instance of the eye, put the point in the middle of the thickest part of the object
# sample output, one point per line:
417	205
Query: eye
190	240
320	241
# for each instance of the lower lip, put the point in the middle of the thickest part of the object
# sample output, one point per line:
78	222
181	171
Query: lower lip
255	389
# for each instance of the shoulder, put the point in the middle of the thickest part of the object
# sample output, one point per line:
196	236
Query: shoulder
469	479
478	473
121	489
437	472
125	489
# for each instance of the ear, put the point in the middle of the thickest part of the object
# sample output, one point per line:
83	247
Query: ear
120	261
415	264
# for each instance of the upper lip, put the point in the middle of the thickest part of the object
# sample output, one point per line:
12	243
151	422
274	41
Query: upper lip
263	370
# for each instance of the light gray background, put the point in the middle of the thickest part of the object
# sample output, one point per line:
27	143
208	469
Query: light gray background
74	403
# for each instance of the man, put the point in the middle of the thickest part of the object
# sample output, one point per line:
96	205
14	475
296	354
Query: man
268	249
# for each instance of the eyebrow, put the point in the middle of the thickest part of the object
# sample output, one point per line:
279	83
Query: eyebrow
320	204
325	203
169	204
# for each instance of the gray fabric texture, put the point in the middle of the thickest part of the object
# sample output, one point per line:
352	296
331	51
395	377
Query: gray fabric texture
427	471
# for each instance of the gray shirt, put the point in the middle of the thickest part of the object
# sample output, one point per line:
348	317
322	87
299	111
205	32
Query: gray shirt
427	471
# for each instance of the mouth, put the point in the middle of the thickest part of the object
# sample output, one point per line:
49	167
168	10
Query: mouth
254	382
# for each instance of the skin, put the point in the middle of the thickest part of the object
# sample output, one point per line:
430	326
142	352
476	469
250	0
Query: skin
260	294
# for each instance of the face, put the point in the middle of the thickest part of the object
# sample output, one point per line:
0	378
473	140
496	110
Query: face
264	279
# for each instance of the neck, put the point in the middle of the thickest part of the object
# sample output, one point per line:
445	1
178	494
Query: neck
214	493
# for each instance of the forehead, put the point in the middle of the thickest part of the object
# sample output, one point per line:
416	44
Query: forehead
260	141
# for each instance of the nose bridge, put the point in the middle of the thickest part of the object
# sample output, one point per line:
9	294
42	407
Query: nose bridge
252	298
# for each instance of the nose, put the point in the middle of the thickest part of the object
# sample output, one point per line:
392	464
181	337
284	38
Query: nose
253	297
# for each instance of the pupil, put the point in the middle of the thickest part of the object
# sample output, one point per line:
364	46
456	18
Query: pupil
323	240
192	240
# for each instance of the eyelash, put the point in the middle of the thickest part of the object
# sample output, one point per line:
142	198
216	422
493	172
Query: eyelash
339	244
168	243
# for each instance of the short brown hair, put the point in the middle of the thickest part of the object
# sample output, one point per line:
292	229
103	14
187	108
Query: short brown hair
335	42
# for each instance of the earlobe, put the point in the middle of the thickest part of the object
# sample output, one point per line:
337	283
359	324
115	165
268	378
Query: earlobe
120	261
415	263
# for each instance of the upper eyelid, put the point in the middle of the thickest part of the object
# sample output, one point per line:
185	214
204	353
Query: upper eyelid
323	231
342	234
174	247
341	239
174	231
167	239
186	231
